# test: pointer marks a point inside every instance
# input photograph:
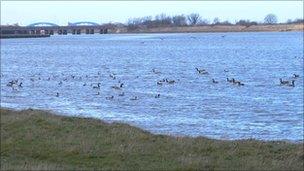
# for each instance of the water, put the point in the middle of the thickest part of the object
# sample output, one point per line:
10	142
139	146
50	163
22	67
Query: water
193	106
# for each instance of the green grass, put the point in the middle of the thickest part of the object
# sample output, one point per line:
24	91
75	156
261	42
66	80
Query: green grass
39	140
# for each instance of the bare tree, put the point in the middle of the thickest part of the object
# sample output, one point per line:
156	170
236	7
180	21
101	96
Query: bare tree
270	19
203	22
216	20
246	23
179	20
194	18
163	20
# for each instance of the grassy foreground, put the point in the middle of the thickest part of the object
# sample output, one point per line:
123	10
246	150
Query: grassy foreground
33	139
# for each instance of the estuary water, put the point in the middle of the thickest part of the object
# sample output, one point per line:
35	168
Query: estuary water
61	73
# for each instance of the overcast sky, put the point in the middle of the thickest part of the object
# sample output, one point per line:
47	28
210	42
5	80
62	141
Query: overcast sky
63	12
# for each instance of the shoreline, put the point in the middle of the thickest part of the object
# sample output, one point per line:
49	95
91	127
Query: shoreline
37	139
215	29
52	112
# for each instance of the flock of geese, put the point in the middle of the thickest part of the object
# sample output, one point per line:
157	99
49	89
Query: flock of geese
16	84
290	83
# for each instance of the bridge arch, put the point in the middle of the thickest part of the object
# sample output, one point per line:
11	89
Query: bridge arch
42	24
86	23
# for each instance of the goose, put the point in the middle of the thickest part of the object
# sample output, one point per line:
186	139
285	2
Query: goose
112	76
292	83
155	72
283	82
159	83
134	98
235	81
98	86
240	84
200	71
11	83
110	97
231	80
20	85
296	76
215	82
118	87
170	81
205	72
157	96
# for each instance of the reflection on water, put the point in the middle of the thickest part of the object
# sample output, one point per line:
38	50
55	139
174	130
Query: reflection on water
72	65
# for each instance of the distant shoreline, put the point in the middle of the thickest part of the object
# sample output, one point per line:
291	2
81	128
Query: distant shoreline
214	29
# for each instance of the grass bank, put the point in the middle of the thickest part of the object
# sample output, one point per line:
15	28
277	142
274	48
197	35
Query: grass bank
34	139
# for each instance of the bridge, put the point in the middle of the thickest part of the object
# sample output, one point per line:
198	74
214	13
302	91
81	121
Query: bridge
47	28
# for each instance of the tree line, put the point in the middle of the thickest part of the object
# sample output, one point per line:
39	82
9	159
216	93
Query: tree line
163	20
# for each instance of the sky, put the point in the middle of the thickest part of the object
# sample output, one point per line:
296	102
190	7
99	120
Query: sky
62	12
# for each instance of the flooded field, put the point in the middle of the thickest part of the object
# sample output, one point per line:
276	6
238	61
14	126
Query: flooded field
151	81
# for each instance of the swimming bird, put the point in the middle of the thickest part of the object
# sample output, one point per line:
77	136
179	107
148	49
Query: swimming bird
118	87
157	96
240	84
170	81
110	97
292	83
60	83
98	86
134	98
235	81
20	85
283	82
296	76
159	83
155	72
84	84
200	71
230	80
215	82
57	94
112	76
121	94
